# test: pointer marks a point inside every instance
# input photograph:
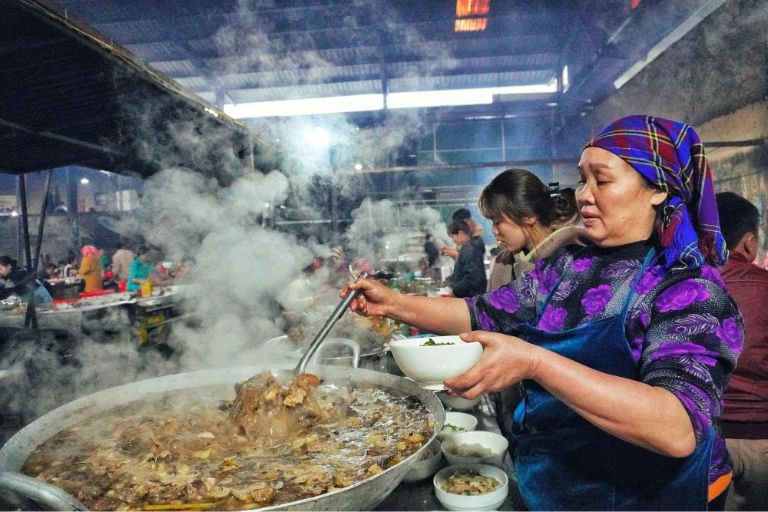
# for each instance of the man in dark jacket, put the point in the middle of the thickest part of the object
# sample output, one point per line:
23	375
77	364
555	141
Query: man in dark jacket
468	277
745	415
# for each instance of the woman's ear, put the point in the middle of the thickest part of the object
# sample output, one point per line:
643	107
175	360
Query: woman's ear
658	197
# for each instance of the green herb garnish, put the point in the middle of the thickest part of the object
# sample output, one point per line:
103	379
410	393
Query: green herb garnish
455	428
432	343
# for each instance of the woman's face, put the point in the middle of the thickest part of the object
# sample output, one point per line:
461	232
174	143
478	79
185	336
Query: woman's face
460	238
5	270
615	203
509	234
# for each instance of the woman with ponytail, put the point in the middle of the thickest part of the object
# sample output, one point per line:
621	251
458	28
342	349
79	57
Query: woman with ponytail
530	221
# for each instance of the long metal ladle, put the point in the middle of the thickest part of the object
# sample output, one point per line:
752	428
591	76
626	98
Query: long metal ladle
337	313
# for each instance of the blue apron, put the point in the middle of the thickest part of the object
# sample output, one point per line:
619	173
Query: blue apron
563	462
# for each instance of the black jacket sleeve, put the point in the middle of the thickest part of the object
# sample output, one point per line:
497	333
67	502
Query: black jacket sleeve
469	272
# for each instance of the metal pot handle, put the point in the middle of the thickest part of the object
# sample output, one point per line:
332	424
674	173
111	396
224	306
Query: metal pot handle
45	495
351	344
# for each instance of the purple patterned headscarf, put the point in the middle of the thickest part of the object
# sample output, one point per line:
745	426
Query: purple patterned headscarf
670	155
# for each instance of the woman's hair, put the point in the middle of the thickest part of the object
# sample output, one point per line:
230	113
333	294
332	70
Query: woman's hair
142	249
459	226
517	193
7	261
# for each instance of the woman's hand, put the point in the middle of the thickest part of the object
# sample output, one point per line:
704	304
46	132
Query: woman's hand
506	360
647	416
373	298
449	251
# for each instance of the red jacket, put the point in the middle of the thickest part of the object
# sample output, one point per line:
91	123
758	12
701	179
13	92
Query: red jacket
745	415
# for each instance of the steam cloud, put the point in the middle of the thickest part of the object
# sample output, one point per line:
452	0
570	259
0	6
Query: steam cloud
246	283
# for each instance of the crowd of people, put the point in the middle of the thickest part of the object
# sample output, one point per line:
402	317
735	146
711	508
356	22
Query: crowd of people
94	271
621	332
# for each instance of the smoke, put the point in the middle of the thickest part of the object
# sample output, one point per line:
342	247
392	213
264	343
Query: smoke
384	233
238	265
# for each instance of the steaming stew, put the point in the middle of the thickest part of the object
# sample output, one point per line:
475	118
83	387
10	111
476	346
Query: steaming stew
199	452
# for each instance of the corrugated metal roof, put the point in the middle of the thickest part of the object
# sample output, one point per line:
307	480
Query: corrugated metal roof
309	48
302	48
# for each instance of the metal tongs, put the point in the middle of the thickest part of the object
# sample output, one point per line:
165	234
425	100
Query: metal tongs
337	313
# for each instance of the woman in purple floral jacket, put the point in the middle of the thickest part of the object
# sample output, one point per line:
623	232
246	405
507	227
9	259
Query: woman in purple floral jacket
623	347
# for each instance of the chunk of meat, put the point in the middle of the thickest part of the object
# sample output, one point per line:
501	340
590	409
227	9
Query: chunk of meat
269	414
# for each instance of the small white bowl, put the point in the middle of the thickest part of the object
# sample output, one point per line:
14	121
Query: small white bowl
428	462
455	423
491	448
457	402
487	501
431	365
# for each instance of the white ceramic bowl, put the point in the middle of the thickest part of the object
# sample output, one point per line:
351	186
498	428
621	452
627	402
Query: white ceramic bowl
431	365
458	403
455	423
428	463
487	501
489	447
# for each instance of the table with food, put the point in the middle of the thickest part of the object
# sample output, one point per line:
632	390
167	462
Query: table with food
103	315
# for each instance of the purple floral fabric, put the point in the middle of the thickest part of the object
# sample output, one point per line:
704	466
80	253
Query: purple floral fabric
681	327
595	299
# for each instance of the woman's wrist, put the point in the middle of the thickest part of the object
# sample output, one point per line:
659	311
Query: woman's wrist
537	364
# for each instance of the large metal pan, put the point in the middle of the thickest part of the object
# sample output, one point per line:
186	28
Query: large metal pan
363	495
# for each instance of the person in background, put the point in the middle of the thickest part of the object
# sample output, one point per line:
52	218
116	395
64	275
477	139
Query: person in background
529	220
468	276
465	215
745	415
45	275
91	270
16	280
104	260
47	272
121	260
623	346
140	269
476	229
431	254
69	265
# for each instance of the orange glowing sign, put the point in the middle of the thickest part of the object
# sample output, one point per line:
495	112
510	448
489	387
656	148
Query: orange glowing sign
470	25
472	8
